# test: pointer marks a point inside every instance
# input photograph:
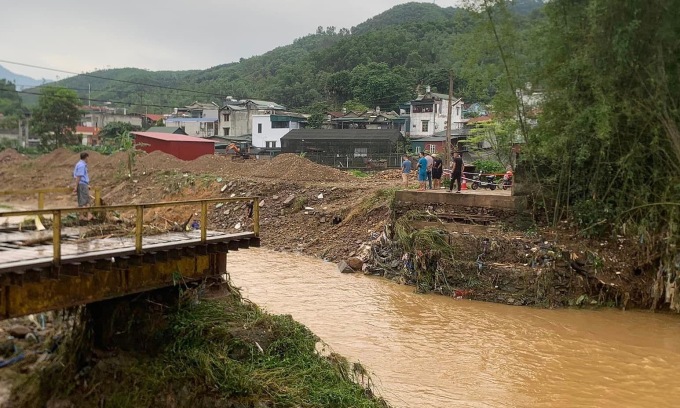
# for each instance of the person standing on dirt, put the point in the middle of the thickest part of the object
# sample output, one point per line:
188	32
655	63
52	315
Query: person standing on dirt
430	163
405	170
437	171
422	172
456	172
82	188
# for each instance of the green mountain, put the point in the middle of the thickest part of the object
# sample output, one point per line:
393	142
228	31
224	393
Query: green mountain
379	62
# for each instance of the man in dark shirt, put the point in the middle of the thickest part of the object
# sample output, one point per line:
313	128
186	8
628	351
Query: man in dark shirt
457	172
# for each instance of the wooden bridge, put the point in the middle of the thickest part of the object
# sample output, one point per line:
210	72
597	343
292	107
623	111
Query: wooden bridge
56	268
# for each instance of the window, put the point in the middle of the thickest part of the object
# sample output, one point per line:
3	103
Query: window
259	128
433	148
280	125
271	145
425	125
418	149
225	116
360	151
423	109
457	110
226	131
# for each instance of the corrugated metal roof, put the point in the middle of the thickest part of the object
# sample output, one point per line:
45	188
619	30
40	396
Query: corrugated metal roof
166	129
172	138
347	134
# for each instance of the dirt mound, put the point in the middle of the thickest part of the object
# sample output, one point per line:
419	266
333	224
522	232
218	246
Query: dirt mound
295	168
158	161
11	156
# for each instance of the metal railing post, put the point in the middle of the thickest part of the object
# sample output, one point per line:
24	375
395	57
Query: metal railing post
56	237
139	228
256	216
41	200
204	221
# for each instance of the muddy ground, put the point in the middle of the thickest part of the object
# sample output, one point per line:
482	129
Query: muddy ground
325	212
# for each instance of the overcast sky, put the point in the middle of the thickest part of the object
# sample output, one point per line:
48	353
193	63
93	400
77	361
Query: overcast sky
78	36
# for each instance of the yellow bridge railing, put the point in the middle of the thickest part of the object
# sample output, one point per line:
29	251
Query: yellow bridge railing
42	192
57	214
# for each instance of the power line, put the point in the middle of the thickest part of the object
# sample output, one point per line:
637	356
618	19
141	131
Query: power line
113	79
93	100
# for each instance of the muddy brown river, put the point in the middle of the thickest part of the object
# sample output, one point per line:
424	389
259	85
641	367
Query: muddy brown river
434	351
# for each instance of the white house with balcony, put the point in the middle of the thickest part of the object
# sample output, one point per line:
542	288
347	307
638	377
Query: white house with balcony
429	112
269	129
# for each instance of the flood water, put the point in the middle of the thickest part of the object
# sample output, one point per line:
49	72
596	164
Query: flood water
434	351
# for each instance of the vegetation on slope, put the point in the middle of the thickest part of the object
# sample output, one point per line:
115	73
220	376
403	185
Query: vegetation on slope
412	42
219	352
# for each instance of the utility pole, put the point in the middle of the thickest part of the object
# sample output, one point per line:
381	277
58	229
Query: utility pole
89	95
449	113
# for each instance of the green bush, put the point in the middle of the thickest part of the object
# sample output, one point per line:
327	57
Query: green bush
489	166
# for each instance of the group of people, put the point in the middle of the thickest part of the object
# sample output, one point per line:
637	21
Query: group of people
430	169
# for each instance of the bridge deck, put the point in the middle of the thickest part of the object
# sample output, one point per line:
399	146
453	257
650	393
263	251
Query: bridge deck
15	255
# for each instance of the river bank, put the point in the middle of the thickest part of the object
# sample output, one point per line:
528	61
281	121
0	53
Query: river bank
324	212
175	349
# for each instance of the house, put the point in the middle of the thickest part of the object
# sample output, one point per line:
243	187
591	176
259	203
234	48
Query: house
372	119
88	135
100	116
269	129
345	142
432	144
181	146
167	129
235	117
151	120
428	114
197	119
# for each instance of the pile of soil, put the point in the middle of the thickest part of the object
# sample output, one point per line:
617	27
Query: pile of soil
11	156
295	168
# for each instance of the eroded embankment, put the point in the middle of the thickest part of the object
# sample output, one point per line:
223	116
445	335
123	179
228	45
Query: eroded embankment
171	348
503	257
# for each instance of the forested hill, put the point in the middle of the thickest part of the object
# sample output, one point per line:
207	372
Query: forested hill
379	62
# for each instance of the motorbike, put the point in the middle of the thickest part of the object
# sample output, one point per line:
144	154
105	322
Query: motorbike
482	181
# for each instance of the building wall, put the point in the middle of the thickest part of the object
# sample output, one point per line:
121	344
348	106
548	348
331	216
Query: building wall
193	128
180	149
436	119
239	123
101	119
269	134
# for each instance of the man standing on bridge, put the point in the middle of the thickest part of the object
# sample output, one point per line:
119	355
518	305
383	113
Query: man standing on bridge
457	172
82	188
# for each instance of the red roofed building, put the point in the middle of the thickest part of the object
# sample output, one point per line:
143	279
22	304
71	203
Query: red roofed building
181	146
89	135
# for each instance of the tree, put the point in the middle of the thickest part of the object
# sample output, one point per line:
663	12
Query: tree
116	129
56	116
10	105
378	85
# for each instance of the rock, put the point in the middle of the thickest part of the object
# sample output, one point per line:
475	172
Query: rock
275	197
19	331
219	205
355	263
262	203
320	196
289	200
224	188
226	212
322	220
344	268
232	195
237	226
510	301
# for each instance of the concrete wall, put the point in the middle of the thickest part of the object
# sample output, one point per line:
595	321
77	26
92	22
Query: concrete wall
268	133
436	119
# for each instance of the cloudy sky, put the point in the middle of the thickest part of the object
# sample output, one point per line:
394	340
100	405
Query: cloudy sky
75	35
